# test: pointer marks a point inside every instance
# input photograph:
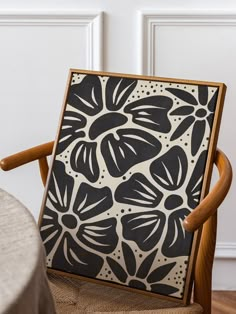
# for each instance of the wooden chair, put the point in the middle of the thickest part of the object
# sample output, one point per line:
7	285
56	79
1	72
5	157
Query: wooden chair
204	215
126	191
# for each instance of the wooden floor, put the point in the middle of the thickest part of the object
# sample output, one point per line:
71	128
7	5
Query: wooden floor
224	302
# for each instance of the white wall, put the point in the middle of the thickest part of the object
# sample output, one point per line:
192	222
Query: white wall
41	40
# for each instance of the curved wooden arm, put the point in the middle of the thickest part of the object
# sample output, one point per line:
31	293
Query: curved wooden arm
211	202
21	158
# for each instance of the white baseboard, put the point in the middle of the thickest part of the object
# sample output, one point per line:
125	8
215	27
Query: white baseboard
225	250
224	274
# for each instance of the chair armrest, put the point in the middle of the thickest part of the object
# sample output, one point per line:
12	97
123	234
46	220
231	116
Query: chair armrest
26	156
211	202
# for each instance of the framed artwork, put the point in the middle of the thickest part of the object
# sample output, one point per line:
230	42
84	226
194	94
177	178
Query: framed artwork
132	158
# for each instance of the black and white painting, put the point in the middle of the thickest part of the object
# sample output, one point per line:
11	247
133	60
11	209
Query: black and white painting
128	169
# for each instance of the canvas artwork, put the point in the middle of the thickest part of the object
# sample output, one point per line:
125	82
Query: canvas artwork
128	167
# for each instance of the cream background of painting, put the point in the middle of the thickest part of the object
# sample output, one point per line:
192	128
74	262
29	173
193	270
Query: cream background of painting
143	167
35	61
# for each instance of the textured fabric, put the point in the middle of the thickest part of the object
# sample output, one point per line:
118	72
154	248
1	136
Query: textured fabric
23	281
74	296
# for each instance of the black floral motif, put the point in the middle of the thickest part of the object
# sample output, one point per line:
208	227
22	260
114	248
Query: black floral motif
144	228
106	122
194	187
91	201
83	159
121	148
169	170
73	122
86	96
72	257
50	229
197	112
177	241
151	112
133	147
99	235
117	92
61	215
138	191
142	277
173	201
60	191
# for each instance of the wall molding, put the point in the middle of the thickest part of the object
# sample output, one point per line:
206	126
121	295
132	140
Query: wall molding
150	21
91	21
225	250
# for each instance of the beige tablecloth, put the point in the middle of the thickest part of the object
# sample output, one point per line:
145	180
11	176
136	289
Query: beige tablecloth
23	282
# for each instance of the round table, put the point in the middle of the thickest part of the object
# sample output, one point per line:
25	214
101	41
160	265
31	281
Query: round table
23	280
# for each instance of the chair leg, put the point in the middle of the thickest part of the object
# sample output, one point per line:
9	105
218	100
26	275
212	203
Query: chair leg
204	263
43	166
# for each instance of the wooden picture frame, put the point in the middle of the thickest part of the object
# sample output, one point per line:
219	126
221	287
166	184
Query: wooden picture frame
132	158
